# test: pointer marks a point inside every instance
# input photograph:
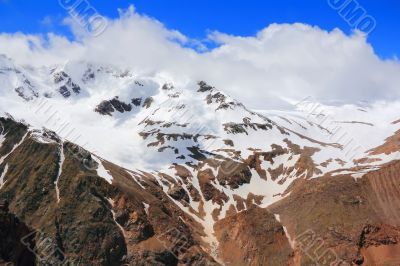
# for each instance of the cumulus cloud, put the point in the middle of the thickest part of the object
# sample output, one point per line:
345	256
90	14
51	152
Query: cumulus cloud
282	62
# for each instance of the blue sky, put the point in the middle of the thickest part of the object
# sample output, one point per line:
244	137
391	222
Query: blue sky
196	18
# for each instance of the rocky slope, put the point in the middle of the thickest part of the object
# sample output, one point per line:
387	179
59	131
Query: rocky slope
79	217
139	170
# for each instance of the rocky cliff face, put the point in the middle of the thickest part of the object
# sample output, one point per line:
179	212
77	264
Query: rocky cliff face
344	220
253	237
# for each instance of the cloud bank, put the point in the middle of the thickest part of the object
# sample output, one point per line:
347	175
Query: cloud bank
281	62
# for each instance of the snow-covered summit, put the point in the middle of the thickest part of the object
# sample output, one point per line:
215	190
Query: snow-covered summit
152	119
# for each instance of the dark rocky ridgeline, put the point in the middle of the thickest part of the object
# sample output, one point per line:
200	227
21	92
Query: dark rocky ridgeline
67	86
121	106
94	222
105	108
204	87
110	106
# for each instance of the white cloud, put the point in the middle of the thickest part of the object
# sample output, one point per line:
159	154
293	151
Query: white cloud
283	61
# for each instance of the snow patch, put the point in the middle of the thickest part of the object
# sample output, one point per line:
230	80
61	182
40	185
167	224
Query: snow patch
3	175
291	242
146	208
112	203
60	166
101	171
2	138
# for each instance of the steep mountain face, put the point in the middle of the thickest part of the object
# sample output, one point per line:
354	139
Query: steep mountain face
138	170
77	216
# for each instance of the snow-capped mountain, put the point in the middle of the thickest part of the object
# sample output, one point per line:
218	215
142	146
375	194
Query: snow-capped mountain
212	156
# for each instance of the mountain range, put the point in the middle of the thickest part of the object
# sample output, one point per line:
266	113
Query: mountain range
103	165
